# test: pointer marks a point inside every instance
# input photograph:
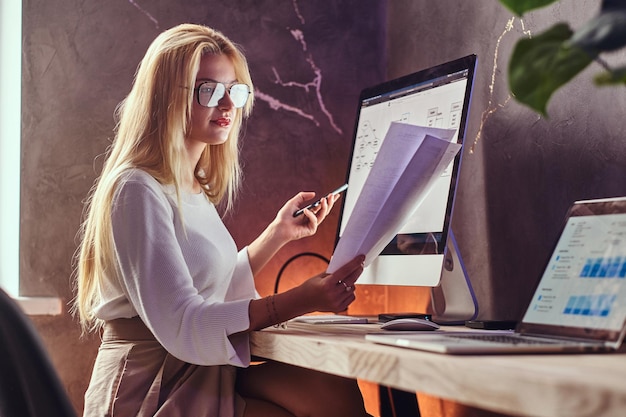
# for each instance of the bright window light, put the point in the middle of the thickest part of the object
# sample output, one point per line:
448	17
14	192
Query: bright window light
10	112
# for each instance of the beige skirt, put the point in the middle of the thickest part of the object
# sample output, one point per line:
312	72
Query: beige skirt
135	376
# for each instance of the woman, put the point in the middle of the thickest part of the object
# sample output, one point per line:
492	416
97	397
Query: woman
161	276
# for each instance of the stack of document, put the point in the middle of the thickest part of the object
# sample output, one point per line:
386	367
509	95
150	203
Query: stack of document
408	163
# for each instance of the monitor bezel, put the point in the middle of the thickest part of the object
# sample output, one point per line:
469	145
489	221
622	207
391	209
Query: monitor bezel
466	63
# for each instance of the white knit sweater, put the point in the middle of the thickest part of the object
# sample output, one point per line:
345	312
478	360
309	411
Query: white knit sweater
188	284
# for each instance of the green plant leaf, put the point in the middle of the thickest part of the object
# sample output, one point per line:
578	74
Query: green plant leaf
605	32
541	65
614	77
519	7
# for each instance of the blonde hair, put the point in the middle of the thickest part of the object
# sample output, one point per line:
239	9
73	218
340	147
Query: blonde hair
154	120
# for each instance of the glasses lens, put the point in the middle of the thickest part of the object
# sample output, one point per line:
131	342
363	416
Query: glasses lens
210	93
218	93
239	94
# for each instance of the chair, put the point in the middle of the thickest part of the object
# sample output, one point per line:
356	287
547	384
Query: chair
29	385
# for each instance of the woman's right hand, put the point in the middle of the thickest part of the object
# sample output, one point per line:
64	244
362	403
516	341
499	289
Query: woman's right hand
324	293
333	292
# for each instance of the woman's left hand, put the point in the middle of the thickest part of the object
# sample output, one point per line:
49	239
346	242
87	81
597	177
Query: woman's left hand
293	228
286	228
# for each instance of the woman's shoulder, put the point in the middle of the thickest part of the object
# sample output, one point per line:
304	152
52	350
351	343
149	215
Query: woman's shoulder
138	179
140	176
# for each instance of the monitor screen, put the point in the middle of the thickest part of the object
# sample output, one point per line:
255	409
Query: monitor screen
434	97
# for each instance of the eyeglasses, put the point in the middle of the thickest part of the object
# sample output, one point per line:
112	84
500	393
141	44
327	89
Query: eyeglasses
210	93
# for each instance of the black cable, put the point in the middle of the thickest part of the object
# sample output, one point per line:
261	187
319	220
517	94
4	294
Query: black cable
293	258
392	404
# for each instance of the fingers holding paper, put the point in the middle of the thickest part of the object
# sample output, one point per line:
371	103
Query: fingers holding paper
335	292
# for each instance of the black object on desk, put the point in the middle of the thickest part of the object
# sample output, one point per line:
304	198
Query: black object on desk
491	324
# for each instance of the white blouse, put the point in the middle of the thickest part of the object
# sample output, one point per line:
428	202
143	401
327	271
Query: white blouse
182	275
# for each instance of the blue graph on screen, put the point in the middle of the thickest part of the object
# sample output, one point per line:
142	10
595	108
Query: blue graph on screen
590	305
609	267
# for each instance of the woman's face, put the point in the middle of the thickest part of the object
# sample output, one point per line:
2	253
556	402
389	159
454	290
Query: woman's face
211	125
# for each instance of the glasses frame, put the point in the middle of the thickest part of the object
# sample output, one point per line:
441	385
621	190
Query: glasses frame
221	88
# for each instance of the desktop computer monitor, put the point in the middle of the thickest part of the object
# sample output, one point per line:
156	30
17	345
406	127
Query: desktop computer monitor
434	97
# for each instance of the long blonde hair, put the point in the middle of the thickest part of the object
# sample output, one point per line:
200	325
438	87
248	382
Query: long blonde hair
154	120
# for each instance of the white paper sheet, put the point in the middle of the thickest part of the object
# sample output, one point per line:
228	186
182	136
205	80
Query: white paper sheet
410	159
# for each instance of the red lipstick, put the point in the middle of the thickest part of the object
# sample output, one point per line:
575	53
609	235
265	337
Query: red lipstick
222	121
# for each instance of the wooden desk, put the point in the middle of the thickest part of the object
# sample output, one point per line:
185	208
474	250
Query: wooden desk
590	385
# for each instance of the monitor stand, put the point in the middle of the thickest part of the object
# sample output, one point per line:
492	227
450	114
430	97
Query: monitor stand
453	300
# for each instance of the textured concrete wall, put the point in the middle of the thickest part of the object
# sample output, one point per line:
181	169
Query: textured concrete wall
309	61
520	171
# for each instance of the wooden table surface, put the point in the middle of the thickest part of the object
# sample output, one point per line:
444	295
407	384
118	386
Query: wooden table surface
571	385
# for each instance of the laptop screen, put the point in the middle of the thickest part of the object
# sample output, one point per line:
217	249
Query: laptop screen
583	288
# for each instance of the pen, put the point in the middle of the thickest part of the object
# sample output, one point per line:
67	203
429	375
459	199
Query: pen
318	202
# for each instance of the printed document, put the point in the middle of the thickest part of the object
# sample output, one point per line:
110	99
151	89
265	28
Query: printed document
409	161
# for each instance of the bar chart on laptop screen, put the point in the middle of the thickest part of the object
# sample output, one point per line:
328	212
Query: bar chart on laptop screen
438	107
586	276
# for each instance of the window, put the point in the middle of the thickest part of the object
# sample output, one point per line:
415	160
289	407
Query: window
10	106
10	138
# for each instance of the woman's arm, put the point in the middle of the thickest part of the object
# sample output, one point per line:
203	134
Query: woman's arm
285	228
324	292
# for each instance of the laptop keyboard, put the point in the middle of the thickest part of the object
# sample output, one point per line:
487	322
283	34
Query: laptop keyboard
507	339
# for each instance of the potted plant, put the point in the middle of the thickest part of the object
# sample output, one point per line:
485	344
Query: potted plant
542	64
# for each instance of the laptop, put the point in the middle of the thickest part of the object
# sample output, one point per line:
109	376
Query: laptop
579	304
